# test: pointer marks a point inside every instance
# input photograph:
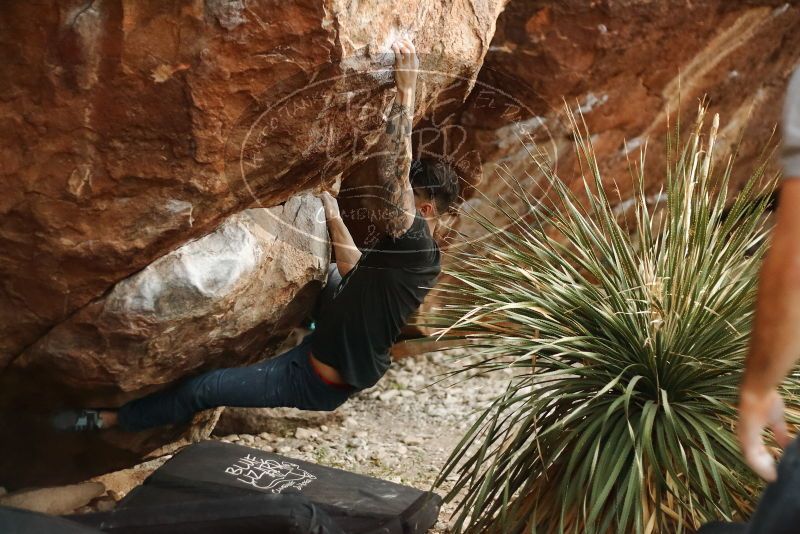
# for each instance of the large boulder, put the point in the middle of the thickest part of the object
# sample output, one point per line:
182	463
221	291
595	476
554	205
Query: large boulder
128	128
133	135
224	299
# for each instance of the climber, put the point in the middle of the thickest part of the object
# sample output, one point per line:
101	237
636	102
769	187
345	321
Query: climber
368	298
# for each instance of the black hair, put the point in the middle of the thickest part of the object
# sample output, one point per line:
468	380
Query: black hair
438	181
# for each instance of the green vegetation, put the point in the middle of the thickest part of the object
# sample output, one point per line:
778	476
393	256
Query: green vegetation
629	338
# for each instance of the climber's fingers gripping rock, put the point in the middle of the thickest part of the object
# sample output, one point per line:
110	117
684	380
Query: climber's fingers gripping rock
406	64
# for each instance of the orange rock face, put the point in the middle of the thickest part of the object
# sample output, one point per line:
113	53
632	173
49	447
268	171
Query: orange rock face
133	135
629	68
129	127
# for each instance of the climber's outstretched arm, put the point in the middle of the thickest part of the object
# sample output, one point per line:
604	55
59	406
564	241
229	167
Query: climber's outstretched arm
394	147
347	253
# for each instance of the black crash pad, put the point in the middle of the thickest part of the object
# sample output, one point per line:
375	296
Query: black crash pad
17	521
237	514
213	470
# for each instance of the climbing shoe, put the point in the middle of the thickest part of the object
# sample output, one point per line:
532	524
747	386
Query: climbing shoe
77	420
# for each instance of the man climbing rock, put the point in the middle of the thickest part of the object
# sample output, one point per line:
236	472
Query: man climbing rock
369	297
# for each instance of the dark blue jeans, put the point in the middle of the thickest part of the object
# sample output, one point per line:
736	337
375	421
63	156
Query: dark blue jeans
778	510
288	380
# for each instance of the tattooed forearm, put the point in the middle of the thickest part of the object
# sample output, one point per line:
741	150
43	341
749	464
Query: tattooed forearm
394	150
394	163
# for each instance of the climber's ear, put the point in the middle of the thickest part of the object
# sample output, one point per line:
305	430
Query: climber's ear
424	205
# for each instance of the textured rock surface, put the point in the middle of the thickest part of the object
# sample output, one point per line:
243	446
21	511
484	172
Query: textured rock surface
270	420
57	501
224	299
129	132
627	66
128	128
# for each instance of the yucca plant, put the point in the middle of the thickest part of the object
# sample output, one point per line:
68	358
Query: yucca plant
628	336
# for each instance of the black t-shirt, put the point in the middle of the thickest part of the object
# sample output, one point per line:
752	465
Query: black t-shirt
373	302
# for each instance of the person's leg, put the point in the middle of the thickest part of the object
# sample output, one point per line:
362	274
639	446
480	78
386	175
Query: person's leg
285	381
778	510
254	385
